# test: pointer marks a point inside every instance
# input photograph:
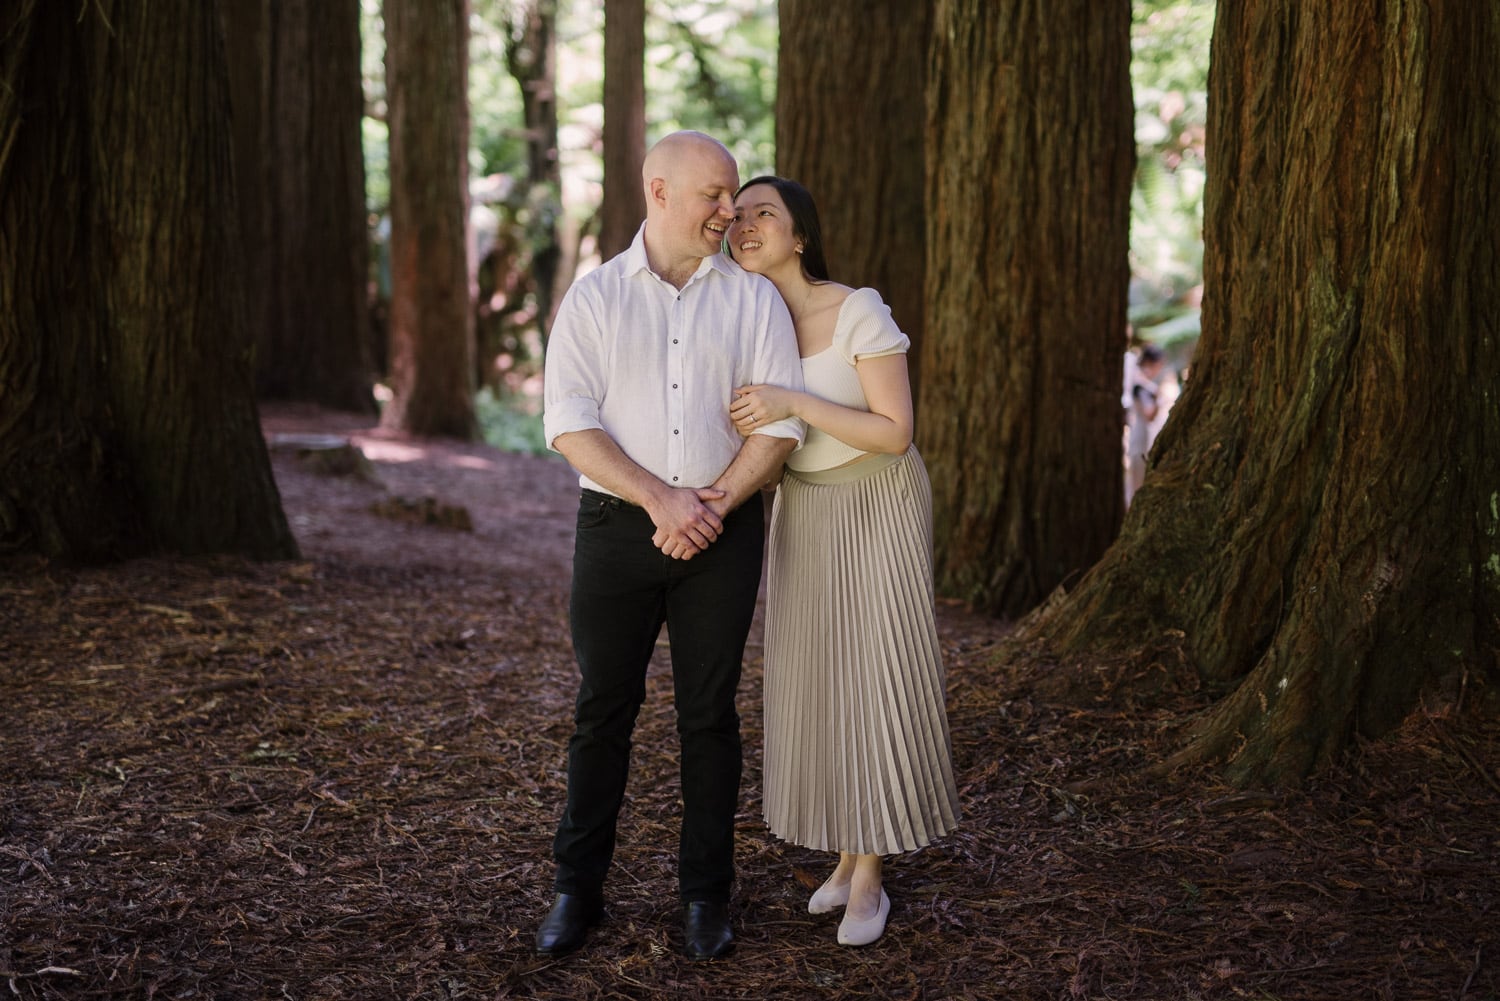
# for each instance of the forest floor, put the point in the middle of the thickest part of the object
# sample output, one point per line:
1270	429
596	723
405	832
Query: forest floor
337	778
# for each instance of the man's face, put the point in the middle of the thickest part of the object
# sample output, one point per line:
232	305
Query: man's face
700	201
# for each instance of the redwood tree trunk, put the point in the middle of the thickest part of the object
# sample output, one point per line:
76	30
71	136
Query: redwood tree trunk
298	104
127	413
849	126
1321	525
624	124
1028	188
432	324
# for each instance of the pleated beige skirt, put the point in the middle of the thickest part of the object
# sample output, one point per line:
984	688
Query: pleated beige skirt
857	751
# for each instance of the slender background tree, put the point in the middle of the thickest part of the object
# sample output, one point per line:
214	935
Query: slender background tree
1318	533
432	324
624	204
531	55
1028	186
127	413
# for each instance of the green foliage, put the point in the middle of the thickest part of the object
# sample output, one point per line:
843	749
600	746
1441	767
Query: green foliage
377	146
510	423
711	66
497	142
1169	74
376	136
1166	324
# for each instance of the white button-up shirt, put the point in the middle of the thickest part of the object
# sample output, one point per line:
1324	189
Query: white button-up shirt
655	368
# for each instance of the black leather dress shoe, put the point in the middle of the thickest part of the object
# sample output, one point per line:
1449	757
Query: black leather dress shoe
705	929
567	924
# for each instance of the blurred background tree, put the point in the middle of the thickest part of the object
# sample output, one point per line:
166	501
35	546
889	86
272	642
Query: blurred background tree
623	139
430	372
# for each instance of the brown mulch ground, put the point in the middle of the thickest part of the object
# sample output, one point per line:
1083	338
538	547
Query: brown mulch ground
337	778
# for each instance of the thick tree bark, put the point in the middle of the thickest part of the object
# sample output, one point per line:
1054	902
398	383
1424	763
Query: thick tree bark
1320	525
298	103
624	204
432	324
849	126
127	413
1028	188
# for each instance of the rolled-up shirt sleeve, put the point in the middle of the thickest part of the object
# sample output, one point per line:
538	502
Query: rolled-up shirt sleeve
777	359
573	376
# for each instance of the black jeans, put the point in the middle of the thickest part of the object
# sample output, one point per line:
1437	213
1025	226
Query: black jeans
624	589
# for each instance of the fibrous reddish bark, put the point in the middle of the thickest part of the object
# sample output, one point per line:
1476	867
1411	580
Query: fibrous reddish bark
1320	524
127	411
1030	152
432	324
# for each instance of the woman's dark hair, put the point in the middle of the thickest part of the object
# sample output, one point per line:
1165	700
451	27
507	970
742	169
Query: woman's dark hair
805	225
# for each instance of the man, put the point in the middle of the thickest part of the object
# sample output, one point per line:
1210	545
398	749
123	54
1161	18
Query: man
641	366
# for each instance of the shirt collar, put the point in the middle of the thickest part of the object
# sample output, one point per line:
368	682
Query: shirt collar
634	261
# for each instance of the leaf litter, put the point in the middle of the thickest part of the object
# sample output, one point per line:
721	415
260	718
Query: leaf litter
337	778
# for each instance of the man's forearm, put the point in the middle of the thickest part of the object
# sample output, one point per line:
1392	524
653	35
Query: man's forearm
595	454
756	463
685	522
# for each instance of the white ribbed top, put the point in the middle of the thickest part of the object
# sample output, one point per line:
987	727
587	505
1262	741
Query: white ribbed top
864	329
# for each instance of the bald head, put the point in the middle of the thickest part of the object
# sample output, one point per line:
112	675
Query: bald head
689	179
674	153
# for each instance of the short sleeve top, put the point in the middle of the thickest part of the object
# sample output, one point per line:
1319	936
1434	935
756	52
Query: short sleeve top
864	329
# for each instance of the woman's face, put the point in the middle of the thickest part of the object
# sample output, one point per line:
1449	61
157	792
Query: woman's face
761	237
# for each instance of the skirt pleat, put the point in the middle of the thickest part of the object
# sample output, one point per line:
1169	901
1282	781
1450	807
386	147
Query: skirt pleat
857	749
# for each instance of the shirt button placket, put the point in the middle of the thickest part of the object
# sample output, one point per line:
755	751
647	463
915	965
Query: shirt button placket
676	410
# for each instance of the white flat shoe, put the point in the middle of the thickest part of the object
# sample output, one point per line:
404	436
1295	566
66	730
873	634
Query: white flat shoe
828	898
852	932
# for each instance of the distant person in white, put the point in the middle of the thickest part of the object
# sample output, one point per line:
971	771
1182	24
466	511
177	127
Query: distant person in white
1143	405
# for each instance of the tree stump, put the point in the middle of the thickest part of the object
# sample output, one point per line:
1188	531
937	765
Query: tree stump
326	454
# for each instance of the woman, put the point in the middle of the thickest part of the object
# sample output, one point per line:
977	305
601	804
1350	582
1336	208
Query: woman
856	737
